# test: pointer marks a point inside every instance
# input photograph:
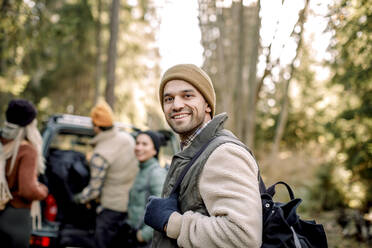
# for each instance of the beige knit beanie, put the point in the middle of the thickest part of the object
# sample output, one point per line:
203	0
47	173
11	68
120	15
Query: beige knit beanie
193	75
102	115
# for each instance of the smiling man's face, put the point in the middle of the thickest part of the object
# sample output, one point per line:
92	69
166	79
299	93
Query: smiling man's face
185	108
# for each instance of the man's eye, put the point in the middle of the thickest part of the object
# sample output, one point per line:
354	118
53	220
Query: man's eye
167	99
188	95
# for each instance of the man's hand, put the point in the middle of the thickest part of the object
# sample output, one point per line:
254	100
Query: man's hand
158	210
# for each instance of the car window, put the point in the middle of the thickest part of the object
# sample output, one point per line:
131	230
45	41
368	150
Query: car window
74	142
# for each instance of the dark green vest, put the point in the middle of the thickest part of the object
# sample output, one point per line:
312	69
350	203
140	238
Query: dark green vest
189	197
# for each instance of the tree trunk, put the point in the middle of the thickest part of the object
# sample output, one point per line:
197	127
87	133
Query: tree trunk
221	60
283	117
250	114
98	72
269	64
226	38
238	91
112	53
282	121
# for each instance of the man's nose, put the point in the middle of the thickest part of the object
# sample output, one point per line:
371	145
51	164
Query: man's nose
178	103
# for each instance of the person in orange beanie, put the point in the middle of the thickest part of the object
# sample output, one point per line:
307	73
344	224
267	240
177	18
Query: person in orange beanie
113	168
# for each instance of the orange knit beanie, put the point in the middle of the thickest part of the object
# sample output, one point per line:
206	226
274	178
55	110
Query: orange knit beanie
196	77
102	115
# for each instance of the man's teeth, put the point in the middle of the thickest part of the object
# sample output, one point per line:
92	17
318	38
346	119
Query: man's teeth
179	116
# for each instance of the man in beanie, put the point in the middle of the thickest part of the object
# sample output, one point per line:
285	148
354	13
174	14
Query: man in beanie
20	163
113	168
218	203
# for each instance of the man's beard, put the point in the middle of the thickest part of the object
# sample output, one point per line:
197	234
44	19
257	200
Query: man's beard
189	128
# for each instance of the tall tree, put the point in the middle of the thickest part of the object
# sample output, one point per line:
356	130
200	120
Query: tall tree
227	49
112	53
283	117
98	71
239	103
249	116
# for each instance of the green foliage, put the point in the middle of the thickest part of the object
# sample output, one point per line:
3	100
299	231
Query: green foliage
352	67
335	117
352	21
53	51
305	118
48	54
325	192
67	57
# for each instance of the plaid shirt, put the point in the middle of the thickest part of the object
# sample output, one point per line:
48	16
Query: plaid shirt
188	140
98	169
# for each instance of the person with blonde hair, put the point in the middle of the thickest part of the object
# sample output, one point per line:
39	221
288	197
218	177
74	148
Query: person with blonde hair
113	168
21	161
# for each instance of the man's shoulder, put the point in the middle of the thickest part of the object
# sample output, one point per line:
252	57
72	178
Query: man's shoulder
125	136
117	138
231	147
226	153
226	136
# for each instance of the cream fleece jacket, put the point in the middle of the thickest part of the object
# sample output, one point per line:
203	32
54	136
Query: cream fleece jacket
229	188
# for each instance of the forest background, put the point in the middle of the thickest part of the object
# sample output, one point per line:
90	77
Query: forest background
306	112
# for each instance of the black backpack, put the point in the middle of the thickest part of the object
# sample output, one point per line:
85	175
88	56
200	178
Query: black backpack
282	227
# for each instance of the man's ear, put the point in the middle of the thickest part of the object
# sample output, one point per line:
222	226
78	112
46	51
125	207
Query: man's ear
208	109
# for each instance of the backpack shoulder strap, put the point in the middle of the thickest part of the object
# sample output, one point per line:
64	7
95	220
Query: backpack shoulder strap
261	184
188	166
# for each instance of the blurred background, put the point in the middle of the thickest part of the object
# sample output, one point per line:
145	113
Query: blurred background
294	76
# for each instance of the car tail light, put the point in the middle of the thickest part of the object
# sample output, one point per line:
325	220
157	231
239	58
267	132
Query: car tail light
40	241
50	211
